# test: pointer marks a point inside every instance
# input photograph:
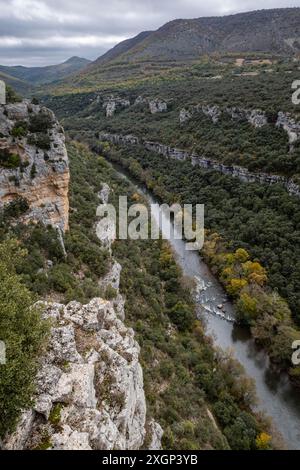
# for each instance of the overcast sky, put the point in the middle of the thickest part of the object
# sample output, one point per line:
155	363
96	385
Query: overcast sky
34	32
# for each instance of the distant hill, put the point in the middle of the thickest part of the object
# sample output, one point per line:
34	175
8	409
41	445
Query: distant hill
265	31
20	86
23	79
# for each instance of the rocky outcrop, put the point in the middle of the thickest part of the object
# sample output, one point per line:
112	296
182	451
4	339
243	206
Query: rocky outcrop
104	193
213	112
185	115
111	104
156	433
255	117
140	100
292	128
106	226
90	386
119	139
157	106
232	170
34	163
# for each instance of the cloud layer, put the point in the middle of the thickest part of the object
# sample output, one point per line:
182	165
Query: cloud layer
34	32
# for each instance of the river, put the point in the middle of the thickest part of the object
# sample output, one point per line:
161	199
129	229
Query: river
277	398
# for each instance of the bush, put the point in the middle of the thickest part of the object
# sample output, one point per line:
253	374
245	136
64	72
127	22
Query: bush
11	95
41	122
20	129
9	160
40	140
110	293
15	208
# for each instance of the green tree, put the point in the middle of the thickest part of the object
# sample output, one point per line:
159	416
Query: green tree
23	332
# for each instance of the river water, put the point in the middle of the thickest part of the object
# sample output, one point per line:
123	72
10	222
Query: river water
277	398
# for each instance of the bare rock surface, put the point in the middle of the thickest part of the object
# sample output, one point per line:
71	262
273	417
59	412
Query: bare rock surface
90	391
40	174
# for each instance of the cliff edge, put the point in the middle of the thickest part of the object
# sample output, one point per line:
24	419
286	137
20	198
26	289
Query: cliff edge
34	166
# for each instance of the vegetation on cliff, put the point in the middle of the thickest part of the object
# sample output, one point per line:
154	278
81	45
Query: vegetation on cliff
23	333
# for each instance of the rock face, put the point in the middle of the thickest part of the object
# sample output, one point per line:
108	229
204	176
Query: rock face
2	92
185	115
106	226
213	112
120	139
256	117
34	164
90	380
157	106
112	103
233	170
288	123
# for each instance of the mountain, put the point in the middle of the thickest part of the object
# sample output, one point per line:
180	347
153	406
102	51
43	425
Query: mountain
264	35
26	77
267	31
122	48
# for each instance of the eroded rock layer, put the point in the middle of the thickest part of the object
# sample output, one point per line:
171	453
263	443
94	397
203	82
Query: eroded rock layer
34	163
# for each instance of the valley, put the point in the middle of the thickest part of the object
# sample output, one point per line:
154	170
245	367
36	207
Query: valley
126	344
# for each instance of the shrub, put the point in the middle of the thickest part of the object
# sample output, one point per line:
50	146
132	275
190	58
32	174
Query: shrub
15	208
11	95
41	122
33	171
110	293
9	160
40	140
20	129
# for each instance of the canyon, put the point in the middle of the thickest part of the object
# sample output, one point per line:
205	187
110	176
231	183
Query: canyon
178	154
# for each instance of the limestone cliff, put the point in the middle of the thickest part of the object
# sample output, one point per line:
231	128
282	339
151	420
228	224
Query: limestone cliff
34	163
90	392
90	386
178	154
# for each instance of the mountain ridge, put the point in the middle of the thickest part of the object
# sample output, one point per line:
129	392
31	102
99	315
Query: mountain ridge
276	30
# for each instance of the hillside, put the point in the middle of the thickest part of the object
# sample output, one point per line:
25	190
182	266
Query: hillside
23	79
121	48
264	36
265	31
24	88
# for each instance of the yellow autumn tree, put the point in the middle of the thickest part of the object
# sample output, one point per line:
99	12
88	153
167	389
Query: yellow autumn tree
241	255
255	272
247	306
263	441
235	286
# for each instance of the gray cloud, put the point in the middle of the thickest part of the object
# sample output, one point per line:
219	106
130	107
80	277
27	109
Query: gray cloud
34	32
